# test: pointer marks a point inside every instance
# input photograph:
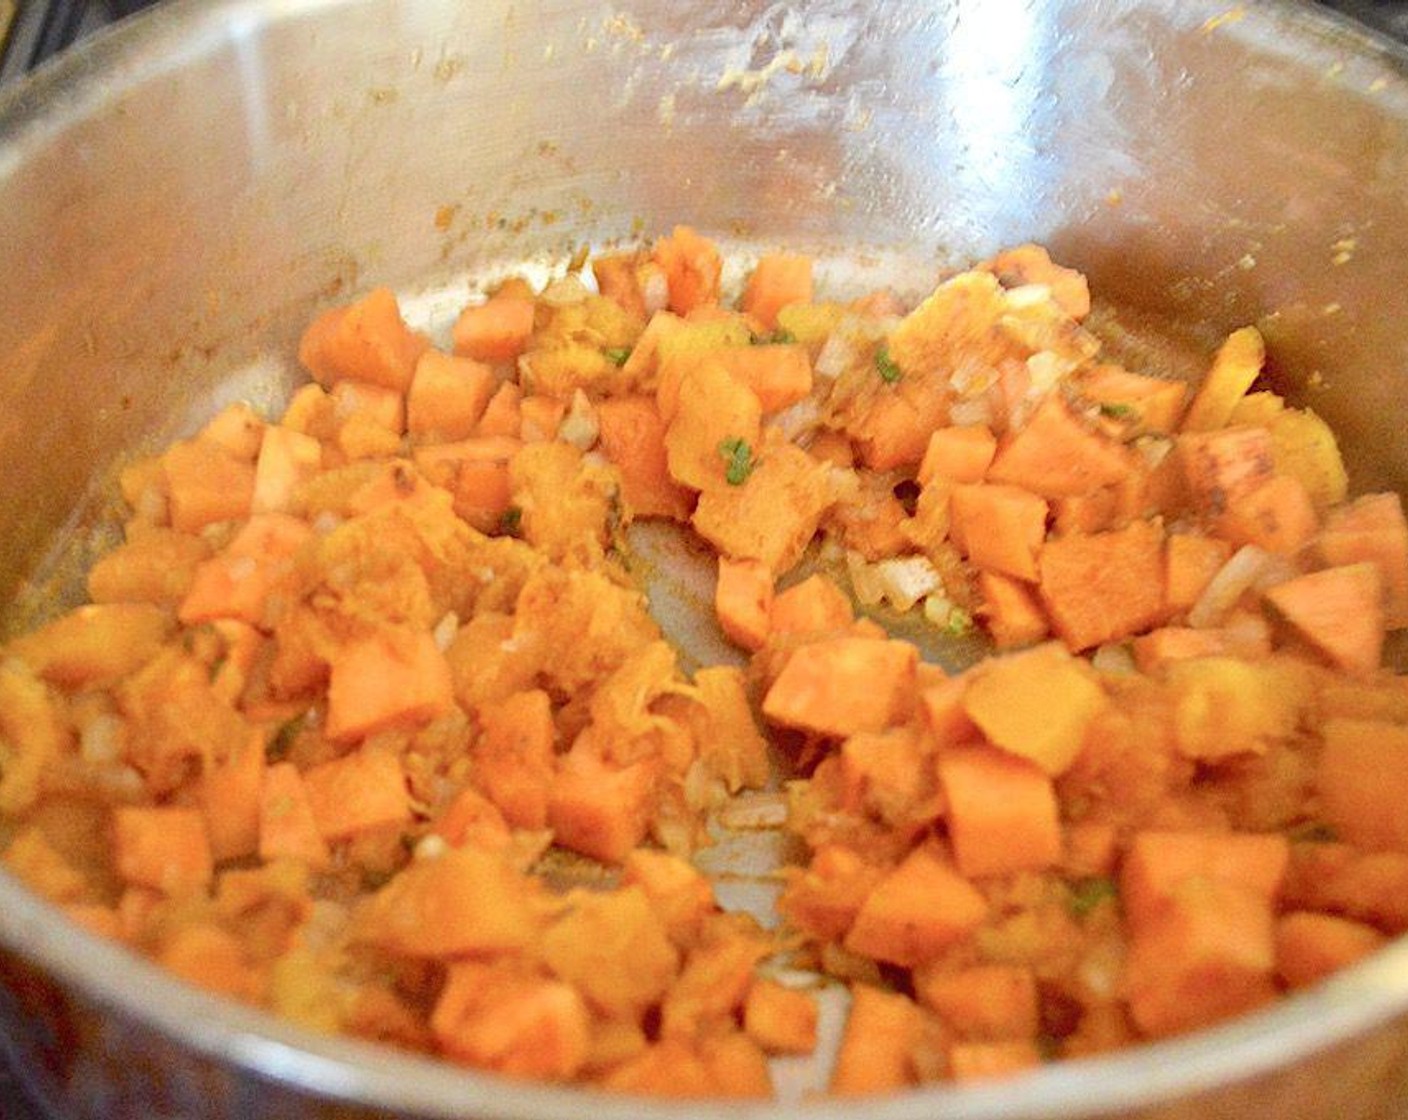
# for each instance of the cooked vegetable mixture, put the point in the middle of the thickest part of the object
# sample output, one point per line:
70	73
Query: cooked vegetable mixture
361	672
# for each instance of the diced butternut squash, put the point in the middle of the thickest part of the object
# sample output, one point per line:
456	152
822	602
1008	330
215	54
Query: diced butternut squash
1011	611
496	330
877	1046
237	582
632	435
773	513
1224	706
614	948
1190	562
287	458
692	269
599	809
447	397
230	796
206	484
986	1001
780	1019
462	902
522	1026
1036	704
513	756
813	606
715	412
1236	366
1135	403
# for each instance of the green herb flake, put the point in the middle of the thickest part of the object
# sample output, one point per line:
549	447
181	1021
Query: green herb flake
1114	410
511	521
1087	894
618	355
738	460
886	366
958	623
782	337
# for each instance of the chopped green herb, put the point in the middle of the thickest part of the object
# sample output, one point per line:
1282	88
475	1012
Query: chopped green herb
886	366
738	460
1117	411
781	336
511	521
1087	894
617	355
959	622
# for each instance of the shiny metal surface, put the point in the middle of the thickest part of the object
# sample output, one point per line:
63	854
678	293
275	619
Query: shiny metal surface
176	197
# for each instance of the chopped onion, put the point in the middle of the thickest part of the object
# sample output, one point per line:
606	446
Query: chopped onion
579	427
837	355
1113	657
1231	581
654	287
899	580
445	631
798	421
565	290
100	741
970	412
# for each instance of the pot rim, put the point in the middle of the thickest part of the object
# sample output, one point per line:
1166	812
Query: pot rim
68	88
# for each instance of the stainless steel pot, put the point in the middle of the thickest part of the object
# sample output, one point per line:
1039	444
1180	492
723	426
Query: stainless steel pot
176	198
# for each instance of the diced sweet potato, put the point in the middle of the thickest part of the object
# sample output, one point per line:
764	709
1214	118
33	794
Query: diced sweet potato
166	848
1311	946
780	1019
876	1054
363	341
519	1025
1363	781
1001	811
1339	611
357	792
1207	954
916	911
1158	862
1102	587
1055	455
999	527
839	686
